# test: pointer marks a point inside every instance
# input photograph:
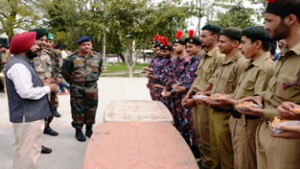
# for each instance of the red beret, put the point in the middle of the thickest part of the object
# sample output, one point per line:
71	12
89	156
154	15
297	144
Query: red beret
22	42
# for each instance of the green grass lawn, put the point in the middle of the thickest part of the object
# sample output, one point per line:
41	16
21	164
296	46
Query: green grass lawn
121	70
121	67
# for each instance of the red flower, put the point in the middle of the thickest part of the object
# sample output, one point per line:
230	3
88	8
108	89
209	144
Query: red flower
271	1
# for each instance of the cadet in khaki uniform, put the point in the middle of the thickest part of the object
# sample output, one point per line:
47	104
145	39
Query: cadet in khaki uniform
207	66
255	45
282	21
224	81
82	70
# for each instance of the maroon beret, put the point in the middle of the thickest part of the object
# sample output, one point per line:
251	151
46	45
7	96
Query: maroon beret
22	42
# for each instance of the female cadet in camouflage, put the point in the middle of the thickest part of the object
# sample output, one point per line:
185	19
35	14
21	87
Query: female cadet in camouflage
82	70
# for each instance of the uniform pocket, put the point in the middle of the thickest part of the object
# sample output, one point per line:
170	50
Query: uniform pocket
95	66
231	83
285	93
207	72
78	65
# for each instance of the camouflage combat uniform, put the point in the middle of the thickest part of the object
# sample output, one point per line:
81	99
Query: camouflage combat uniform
54	57
179	67
158	66
45	68
82	73
185	120
163	79
150	82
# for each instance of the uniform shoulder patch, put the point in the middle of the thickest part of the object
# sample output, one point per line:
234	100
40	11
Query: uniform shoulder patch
55	51
74	54
96	54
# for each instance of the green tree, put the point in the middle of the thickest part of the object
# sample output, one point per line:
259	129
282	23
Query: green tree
122	27
62	19
236	16
17	14
238	13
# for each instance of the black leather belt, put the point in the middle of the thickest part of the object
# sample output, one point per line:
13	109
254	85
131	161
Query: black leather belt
238	115
86	84
229	110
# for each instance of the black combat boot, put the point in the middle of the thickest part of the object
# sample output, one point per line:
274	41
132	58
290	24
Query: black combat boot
55	112
89	131
46	150
50	131
79	135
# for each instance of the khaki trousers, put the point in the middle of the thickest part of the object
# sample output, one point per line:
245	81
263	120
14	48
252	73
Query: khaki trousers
220	140
276	153
201	125
243	140
27	144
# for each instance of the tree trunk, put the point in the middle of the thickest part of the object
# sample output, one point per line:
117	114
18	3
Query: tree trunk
131	59
129	67
122	57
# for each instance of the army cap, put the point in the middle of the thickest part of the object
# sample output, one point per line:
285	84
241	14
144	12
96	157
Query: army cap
256	32
40	32
165	44
156	41
192	38
84	39
215	29
178	38
50	36
283	8
232	33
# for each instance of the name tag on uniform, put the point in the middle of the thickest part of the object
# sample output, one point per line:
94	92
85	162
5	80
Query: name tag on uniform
78	62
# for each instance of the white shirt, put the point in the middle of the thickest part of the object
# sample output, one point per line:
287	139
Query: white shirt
21	77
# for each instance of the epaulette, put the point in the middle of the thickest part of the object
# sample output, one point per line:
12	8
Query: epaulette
46	51
54	51
94	53
73	54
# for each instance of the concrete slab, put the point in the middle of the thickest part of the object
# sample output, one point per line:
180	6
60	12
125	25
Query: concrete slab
137	110
67	151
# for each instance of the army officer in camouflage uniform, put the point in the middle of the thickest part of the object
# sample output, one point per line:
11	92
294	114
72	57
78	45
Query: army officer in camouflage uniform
82	70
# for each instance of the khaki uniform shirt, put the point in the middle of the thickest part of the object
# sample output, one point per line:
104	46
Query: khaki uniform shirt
208	64
255	78
285	82
226	77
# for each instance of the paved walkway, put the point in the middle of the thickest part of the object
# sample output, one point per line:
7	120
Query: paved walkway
67	151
